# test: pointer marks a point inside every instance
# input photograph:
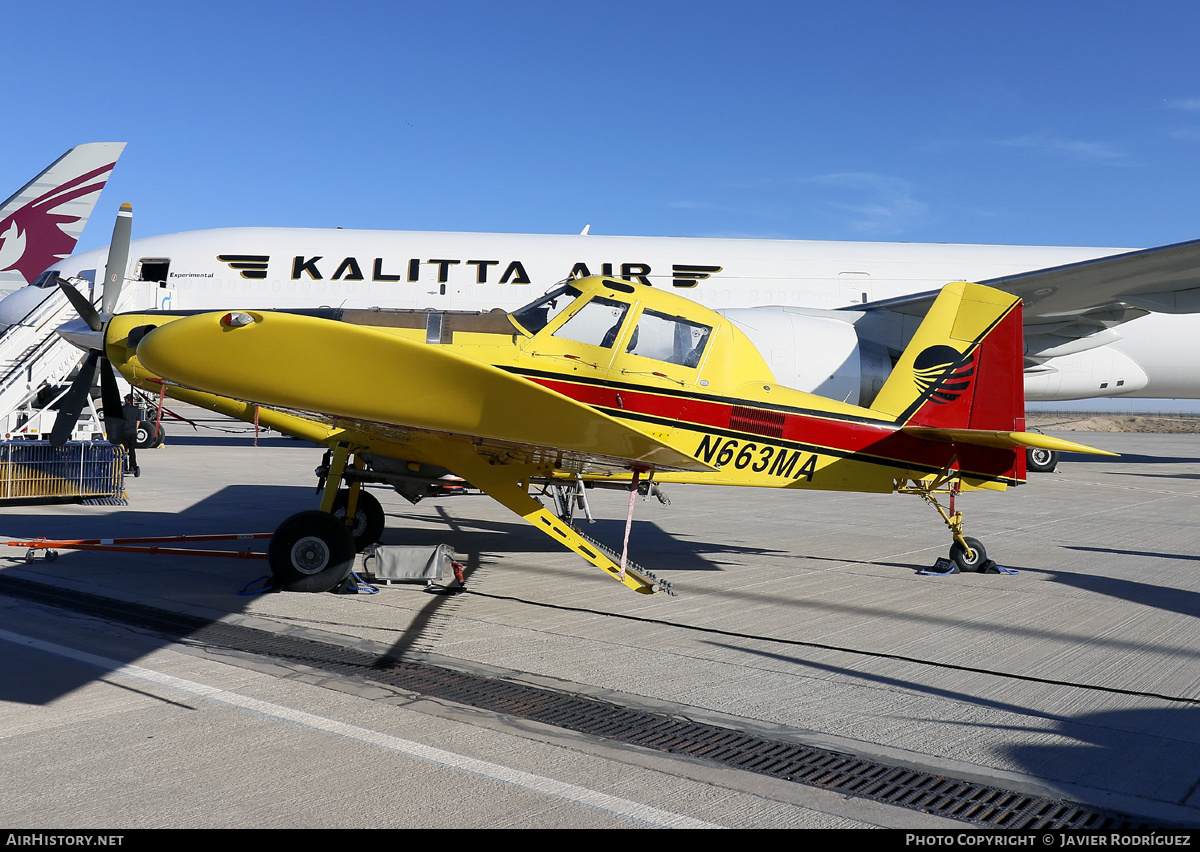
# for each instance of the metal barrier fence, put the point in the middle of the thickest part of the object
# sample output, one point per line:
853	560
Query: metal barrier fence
83	470
1084	414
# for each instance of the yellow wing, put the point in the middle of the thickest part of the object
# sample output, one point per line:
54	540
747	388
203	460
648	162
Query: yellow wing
357	375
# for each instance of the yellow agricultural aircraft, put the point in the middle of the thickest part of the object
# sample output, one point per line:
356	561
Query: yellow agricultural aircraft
599	381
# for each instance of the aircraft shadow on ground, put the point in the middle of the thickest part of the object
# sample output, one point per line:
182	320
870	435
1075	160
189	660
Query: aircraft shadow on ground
1139	750
216	587
1127	458
1152	475
1154	553
226	439
848	560
221	512
649	544
1147	594
214	583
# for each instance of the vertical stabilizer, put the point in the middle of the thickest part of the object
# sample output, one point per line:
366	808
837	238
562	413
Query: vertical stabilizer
42	221
964	367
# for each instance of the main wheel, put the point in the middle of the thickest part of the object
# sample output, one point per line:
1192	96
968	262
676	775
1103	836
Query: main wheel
368	517
147	436
968	563
1041	460
310	552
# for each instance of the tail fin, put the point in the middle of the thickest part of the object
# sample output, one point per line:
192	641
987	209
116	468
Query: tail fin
963	368
961	378
41	222
960	381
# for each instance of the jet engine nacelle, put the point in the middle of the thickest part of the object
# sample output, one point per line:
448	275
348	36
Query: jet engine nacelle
847	355
816	351
1102	371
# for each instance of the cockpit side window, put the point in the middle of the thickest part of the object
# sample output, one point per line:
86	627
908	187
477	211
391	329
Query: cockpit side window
597	323
49	278
672	339
539	314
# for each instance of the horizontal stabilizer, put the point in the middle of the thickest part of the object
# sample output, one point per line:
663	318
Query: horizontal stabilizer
1002	440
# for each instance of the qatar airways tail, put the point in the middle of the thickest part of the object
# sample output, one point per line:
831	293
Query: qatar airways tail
41	222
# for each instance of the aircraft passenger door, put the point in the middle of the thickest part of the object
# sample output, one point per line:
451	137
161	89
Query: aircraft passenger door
854	288
435	287
156	292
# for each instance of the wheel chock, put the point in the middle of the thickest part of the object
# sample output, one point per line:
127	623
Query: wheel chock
941	568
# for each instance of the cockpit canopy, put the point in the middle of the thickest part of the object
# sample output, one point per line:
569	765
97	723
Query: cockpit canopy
598	319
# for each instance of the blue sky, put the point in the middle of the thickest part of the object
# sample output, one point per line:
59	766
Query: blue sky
1043	123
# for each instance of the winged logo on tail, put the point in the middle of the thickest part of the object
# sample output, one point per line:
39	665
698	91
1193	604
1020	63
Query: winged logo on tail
41	222
942	373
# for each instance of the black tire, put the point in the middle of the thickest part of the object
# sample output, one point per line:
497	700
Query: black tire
959	555
146	436
1041	460
369	518
310	552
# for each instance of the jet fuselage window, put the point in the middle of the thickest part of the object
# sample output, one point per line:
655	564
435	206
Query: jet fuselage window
674	340
598	323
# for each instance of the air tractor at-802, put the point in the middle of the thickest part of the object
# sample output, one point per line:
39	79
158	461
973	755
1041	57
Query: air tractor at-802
600	380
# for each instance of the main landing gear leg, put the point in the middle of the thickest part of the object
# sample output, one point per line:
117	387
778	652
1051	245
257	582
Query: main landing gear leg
333	481
966	552
314	551
568	496
356	508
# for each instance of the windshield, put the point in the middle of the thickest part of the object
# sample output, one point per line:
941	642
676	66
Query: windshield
49	278
537	315
598	323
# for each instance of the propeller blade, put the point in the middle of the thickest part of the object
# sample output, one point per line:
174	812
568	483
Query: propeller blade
118	259
115	424
73	402
85	309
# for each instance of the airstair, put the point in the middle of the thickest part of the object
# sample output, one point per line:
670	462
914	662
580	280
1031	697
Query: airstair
34	361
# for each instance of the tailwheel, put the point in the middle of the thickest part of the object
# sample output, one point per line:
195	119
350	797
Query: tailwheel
310	552
965	561
369	517
966	552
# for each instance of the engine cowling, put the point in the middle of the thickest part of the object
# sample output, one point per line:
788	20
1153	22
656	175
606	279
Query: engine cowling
1102	371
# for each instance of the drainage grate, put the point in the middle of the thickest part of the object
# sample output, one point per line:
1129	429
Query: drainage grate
847	774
